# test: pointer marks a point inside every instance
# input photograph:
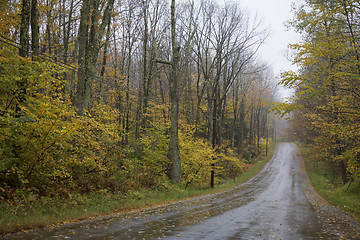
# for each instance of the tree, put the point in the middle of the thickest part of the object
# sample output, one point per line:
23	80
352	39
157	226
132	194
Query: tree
34	28
24	28
327	87
89	45
28	11
174	151
69	121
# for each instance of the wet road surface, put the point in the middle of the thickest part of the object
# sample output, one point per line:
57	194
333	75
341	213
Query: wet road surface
276	204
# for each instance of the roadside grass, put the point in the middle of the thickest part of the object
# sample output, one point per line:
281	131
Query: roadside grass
346	197
34	212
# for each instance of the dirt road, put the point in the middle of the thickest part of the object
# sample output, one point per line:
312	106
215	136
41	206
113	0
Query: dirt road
278	203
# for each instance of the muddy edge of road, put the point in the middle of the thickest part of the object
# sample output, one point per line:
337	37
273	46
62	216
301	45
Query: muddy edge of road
332	214
146	208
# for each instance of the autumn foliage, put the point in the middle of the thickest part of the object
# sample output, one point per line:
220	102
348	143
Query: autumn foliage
67	127
325	108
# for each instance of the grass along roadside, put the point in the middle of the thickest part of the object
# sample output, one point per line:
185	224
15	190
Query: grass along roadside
345	197
37	213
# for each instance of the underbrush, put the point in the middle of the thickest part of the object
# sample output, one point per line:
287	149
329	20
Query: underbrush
346	197
35	212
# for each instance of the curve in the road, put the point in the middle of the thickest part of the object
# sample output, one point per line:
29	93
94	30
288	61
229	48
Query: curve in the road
278	203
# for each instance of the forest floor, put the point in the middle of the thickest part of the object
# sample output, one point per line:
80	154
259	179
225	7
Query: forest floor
30	213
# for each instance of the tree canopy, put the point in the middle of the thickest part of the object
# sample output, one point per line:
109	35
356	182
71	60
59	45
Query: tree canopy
93	94
326	104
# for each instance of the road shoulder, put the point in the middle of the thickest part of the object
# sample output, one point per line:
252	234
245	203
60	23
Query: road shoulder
333	218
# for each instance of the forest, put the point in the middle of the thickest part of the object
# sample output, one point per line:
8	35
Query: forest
325	109
105	95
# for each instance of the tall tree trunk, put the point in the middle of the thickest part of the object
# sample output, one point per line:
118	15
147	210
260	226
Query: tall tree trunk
149	53
103	65
214	137
242	123
48	44
89	46
145	64
251	129
24	52
128	67
68	87
258	129
174	151
24	28
34	28
82	42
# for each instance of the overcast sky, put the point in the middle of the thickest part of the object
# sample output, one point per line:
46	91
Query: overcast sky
274	14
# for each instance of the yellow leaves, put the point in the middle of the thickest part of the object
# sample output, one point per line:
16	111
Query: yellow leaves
352	158
290	79
48	143
325	110
230	164
8	18
196	156
283	109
